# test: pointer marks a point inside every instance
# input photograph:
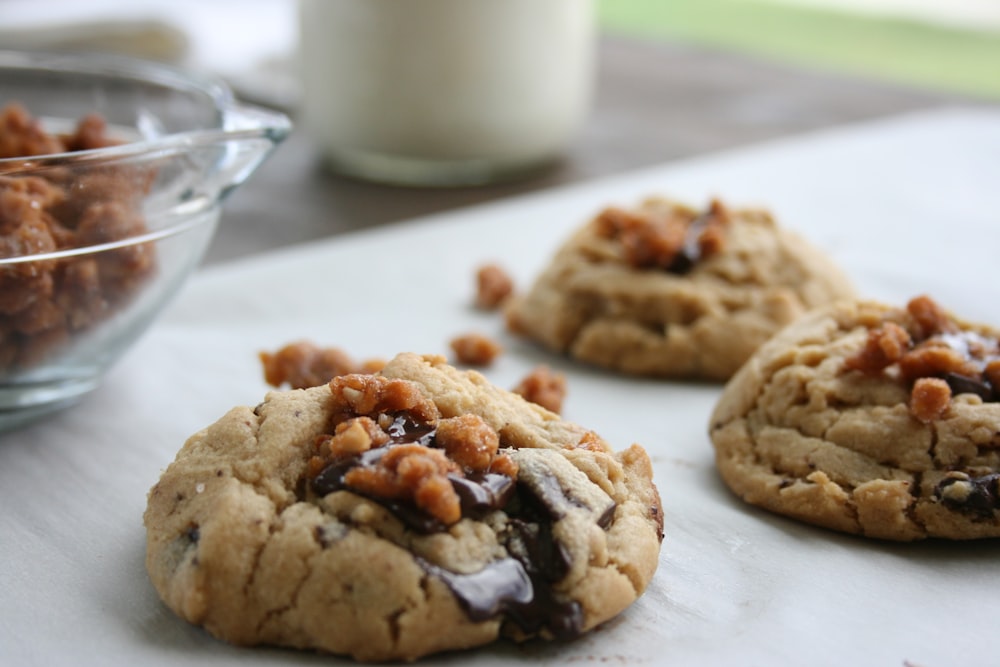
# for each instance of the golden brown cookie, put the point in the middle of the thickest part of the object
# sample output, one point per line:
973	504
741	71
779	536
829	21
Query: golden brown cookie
394	515
665	290
870	419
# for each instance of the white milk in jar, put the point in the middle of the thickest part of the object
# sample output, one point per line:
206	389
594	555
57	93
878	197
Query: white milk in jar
444	92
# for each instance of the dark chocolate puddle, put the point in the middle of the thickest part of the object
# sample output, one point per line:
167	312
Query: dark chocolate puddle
983	499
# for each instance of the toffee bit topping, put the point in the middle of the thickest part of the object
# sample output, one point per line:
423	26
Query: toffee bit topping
672	239
304	364
885	346
411	472
929	399
358	394
469	441
934	356
353	437
929	318
390	444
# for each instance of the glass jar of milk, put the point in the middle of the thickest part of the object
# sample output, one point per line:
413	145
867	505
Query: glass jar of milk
444	92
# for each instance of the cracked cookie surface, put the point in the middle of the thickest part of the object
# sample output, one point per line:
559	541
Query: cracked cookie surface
324	518
869	419
664	290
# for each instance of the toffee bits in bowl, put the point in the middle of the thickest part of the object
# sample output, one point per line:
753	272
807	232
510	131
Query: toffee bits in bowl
112	174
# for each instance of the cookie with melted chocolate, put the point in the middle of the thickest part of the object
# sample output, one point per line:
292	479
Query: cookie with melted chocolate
870	419
666	290
395	515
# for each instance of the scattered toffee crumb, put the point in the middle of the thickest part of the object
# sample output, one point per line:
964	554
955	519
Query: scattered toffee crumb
493	286
304	364
475	349
544	387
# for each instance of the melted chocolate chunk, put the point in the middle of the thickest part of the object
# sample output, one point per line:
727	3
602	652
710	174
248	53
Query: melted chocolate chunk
690	252
548	498
404	429
982	499
608	514
491	591
530	538
482	493
539	552
961	384
331	478
506	587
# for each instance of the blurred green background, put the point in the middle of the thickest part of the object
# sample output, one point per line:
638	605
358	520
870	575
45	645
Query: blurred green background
922	53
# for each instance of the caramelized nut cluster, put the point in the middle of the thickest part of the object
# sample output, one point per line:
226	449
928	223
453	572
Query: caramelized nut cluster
390	443
365	395
44	303
934	356
672	238
304	364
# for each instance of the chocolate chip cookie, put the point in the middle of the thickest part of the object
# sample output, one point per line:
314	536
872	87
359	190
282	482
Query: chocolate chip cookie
666	290
870	419
392	515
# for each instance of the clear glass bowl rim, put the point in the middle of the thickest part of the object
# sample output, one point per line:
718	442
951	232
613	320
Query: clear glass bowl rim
256	121
238	122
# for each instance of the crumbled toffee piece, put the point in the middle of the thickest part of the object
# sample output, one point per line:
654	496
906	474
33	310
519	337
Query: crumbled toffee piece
669	239
475	349
304	364
934	356
389	444
544	387
493	286
45	303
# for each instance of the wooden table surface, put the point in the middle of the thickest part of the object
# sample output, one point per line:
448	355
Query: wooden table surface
655	102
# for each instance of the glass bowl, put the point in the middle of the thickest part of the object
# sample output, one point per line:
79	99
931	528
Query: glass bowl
100	229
